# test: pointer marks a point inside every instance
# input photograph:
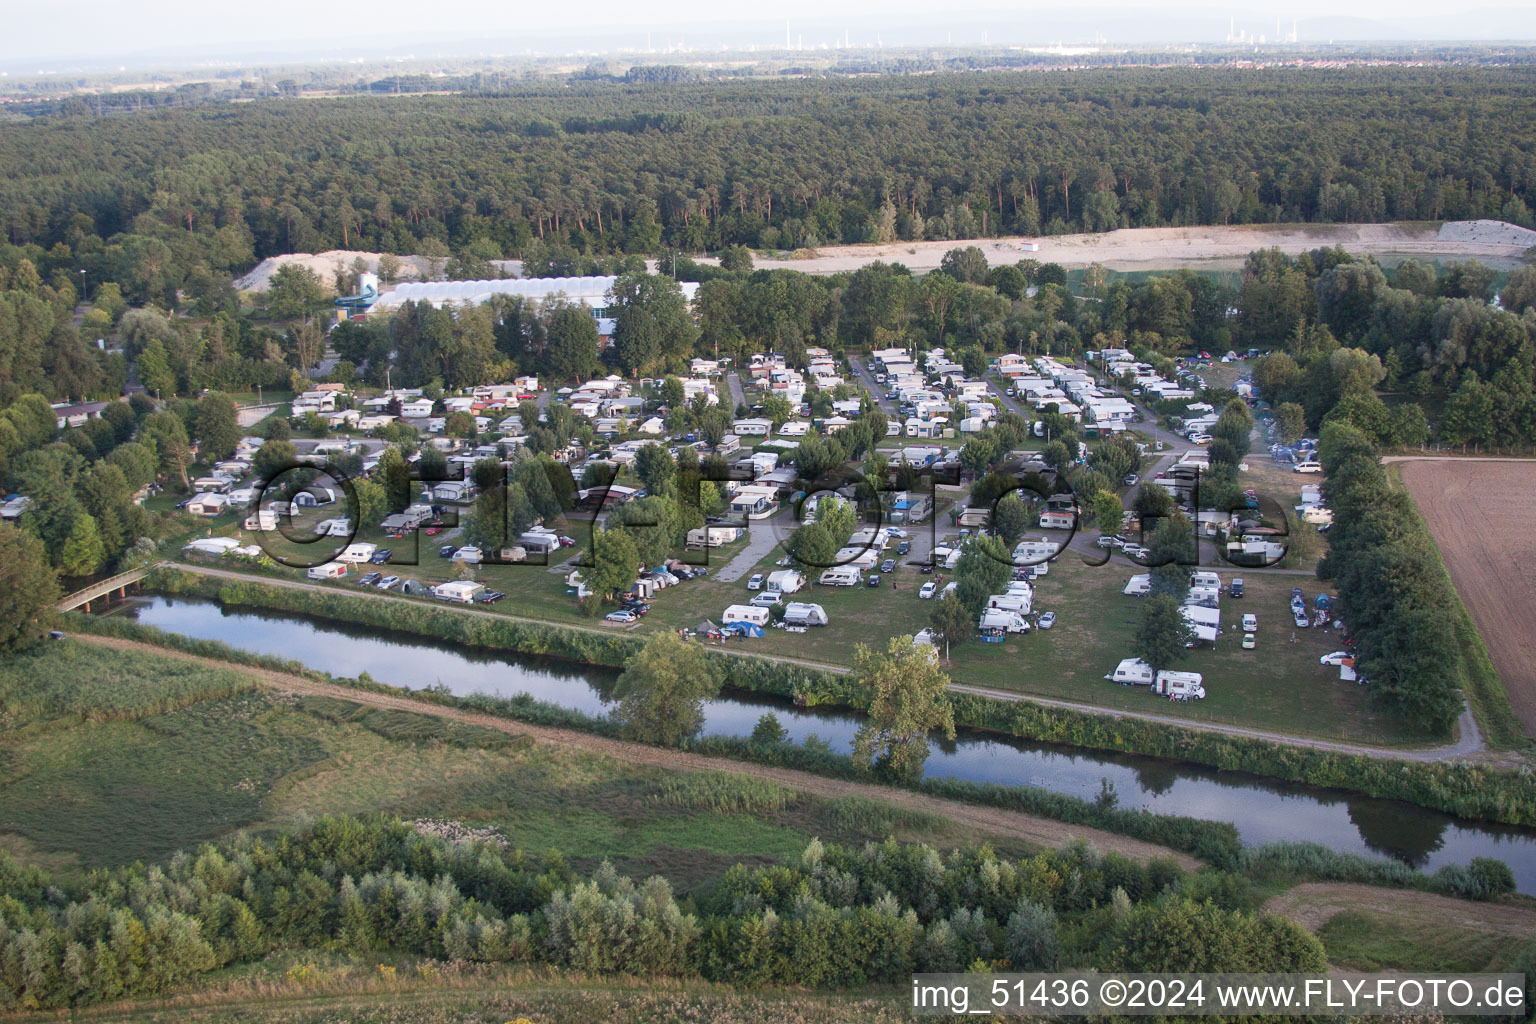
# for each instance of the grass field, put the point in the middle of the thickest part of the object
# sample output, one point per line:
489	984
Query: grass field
1364	940
114	780
314	987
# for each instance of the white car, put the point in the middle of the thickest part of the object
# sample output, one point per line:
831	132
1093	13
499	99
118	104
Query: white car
1250	623
1134	551
620	616
756	582
929	589
765	600
1307	467
1336	658
923	636
1047	620
895	531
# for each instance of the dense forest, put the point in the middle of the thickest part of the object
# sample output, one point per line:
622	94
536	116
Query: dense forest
556	168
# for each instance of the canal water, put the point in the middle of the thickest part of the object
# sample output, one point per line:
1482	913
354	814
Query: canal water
1264	810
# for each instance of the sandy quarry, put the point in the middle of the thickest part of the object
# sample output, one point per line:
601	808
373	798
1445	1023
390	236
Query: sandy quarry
1212	248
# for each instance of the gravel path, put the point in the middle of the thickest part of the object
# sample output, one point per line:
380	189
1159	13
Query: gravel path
1041	831
1314	904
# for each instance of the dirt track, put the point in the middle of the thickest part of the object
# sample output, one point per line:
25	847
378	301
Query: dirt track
1480	515
1313	904
1041	831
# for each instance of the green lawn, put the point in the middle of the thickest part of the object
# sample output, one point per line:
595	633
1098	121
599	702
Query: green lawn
1364	940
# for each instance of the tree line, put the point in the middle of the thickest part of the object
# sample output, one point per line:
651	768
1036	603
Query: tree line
836	917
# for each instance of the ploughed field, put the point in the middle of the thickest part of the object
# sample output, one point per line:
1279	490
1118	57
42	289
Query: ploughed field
1480	514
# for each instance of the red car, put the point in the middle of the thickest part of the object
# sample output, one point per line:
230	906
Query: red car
433	531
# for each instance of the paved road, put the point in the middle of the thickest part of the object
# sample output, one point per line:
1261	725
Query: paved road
866	377
1468	743
738	396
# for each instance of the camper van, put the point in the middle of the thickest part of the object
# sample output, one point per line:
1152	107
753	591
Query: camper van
328	571
1179	685
1132	672
1205	579
997	618
1030	551
839	576
1139	585
798	613
744	613
1012	602
1209	597
785	581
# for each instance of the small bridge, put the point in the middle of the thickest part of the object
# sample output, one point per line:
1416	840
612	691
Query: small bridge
103	588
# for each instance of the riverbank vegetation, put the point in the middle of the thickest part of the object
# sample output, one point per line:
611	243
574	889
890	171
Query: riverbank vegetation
1470	790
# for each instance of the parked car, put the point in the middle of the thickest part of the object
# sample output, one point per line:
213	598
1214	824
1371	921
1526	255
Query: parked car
1237	588
387	582
369	579
889	565
620	616
567	542
874	579
1047	620
1132	480
1336	658
381	556
489	596
1248	643
1250	623
1134	551
446	551
1302	622
928	590
756	582
904	548
895	531
767	599
54	634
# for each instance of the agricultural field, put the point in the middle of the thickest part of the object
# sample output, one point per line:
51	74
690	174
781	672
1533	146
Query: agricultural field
1479	513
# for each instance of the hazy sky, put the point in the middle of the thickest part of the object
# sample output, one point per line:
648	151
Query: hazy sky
106	28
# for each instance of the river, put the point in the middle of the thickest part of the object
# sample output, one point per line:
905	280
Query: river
1264	810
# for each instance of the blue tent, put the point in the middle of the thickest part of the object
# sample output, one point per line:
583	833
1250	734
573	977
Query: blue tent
1323	601
744	628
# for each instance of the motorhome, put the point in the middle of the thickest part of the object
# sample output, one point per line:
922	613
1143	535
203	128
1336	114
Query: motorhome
1132	672
1205	579
785	581
997	618
798	613
1208	597
1027	552
744	613
328	571
1012	602
1179	685
1139	585
839	576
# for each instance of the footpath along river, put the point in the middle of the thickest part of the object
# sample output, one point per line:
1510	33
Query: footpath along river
1263	810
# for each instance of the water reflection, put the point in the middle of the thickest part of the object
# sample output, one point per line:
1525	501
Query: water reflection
1263	810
